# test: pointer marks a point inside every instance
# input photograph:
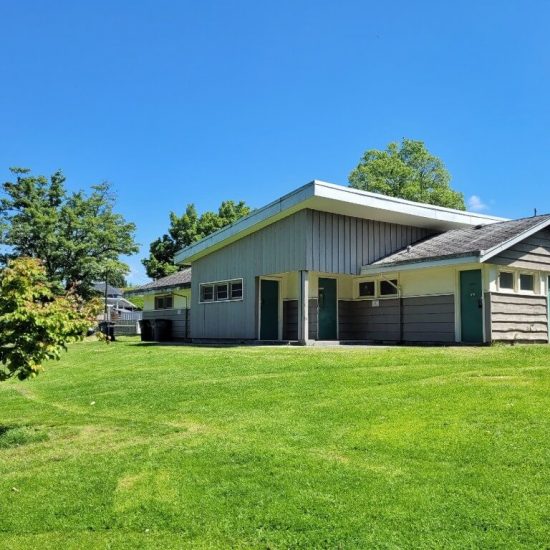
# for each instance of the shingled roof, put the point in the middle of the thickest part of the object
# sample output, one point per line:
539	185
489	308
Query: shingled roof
475	241
180	279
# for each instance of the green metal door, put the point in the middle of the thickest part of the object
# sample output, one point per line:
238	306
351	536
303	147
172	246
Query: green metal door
471	306
269	310
327	309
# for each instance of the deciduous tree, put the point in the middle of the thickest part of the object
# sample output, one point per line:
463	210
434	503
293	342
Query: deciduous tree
78	236
409	171
185	230
36	321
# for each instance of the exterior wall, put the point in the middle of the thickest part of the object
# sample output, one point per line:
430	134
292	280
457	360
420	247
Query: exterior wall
308	240
179	318
419	319
182	299
532	253
278	248
518	317
342	244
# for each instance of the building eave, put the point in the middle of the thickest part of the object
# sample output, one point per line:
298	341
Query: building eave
426	264
328	197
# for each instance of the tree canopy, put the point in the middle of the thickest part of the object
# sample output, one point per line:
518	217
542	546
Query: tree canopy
36	320
409	171
185	230
78	236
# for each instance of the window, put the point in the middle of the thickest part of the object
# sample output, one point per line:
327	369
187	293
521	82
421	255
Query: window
388	288
506	280
367	288
207	293
236	290
164	302
221	291
526	282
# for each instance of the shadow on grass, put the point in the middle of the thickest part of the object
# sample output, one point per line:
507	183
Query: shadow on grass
15	436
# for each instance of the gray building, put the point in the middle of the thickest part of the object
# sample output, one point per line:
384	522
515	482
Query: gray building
327	262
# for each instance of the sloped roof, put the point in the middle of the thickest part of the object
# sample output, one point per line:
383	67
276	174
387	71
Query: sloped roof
347	201
180	279
478	241
111	290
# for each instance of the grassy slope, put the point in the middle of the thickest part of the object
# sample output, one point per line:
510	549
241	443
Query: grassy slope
278	447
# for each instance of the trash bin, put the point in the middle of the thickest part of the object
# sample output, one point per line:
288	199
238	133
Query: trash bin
108	328
162	330
146	330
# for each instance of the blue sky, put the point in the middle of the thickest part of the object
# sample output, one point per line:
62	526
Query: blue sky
179	101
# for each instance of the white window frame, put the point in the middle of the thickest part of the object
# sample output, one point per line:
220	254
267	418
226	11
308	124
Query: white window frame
167	295
214	284
537	286
377	282
535	289
501	289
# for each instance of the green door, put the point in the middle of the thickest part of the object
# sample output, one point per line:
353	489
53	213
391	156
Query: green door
327	309
269	310
471	306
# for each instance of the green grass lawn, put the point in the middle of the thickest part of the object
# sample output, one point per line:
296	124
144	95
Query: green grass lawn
131	445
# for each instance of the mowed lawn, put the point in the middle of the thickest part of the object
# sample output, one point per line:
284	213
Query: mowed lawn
143	446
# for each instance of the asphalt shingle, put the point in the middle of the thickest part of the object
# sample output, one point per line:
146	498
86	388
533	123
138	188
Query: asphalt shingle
179	279
470	241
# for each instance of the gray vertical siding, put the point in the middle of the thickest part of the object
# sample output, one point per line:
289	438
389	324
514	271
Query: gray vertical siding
178	320
277	248
518	317
421	319
342	244
306	240
532	253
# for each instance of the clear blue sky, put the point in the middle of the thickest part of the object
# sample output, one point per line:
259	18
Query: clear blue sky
191	101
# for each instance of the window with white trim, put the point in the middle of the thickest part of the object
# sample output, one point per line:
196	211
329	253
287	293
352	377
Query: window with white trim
221	291
367	289
506	280
527	282
164	302
388	288
383	288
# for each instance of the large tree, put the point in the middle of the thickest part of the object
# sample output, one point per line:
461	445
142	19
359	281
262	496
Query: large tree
185	230
78	236
37	321
409	171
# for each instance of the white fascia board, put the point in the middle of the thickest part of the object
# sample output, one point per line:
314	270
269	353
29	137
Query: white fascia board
395	268
328	197
488	254
438	215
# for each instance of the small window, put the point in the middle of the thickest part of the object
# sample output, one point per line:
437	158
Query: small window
367	288
164	302
207	293
506	280
221	291
526	282
388	288
236	290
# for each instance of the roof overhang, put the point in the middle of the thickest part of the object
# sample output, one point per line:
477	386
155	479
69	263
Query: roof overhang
394	268
336	199
480	257
158	290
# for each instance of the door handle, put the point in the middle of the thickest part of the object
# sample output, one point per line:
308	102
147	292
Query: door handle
480	303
